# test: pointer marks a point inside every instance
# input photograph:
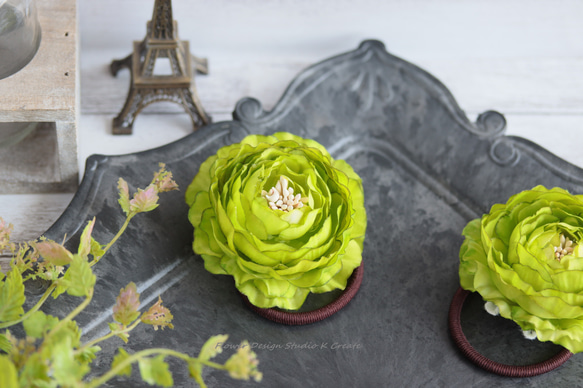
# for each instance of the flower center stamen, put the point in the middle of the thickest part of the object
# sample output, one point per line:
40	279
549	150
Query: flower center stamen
565	247
281	197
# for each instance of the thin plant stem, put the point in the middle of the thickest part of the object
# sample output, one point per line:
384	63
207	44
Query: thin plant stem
142	354
71	315
200	381
109	335
49	290
114	239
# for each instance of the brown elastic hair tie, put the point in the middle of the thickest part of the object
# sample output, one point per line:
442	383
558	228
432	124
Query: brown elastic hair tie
485	363
305	318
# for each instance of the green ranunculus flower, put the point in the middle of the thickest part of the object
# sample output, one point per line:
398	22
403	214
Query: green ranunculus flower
279	215
526	257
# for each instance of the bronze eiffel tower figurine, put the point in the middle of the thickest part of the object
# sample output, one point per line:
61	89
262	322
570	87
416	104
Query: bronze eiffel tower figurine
161	42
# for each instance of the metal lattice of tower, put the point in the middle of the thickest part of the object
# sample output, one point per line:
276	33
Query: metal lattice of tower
146	87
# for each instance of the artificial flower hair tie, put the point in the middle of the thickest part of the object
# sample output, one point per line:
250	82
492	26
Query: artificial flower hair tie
293	318
459	338
525	259
284	219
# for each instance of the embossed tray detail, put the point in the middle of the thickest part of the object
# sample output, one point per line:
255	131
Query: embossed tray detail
426	169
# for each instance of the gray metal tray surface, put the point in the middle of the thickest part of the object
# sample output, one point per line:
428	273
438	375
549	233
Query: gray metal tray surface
427	170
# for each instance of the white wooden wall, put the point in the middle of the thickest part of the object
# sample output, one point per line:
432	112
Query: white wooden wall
523	58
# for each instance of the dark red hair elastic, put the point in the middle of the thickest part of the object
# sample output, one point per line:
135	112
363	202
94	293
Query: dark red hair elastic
472	354
304	318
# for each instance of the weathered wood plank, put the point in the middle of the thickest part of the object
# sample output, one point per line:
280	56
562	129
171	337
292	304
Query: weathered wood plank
44	90
32	214
523	85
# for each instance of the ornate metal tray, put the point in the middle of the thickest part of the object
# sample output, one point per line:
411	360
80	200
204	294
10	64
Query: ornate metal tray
427	170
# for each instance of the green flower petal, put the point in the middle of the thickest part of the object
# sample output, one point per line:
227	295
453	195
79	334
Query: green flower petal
508	256
340	280
277	257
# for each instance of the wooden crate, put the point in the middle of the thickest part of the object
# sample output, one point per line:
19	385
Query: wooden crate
46	91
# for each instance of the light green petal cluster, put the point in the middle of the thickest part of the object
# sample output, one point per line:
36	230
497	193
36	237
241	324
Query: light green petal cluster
278	257
509	257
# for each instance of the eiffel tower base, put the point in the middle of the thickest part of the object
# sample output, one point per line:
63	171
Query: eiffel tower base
140	98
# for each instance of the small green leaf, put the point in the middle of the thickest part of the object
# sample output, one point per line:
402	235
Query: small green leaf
124	195
61	287
38	324
212	347
96	248
54	253
85	241
8	373
69	332
35	372
127	304
114	327
22	259
144	200
158	315
66	370
11	297
243	364
87	356
5	231
155	371
120	357
79	277
163	180
5	344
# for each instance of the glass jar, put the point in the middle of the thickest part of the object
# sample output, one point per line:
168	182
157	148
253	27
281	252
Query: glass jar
20	35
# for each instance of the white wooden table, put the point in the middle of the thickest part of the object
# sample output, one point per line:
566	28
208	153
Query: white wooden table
522	58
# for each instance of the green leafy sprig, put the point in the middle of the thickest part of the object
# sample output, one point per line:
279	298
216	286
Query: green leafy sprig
51	354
